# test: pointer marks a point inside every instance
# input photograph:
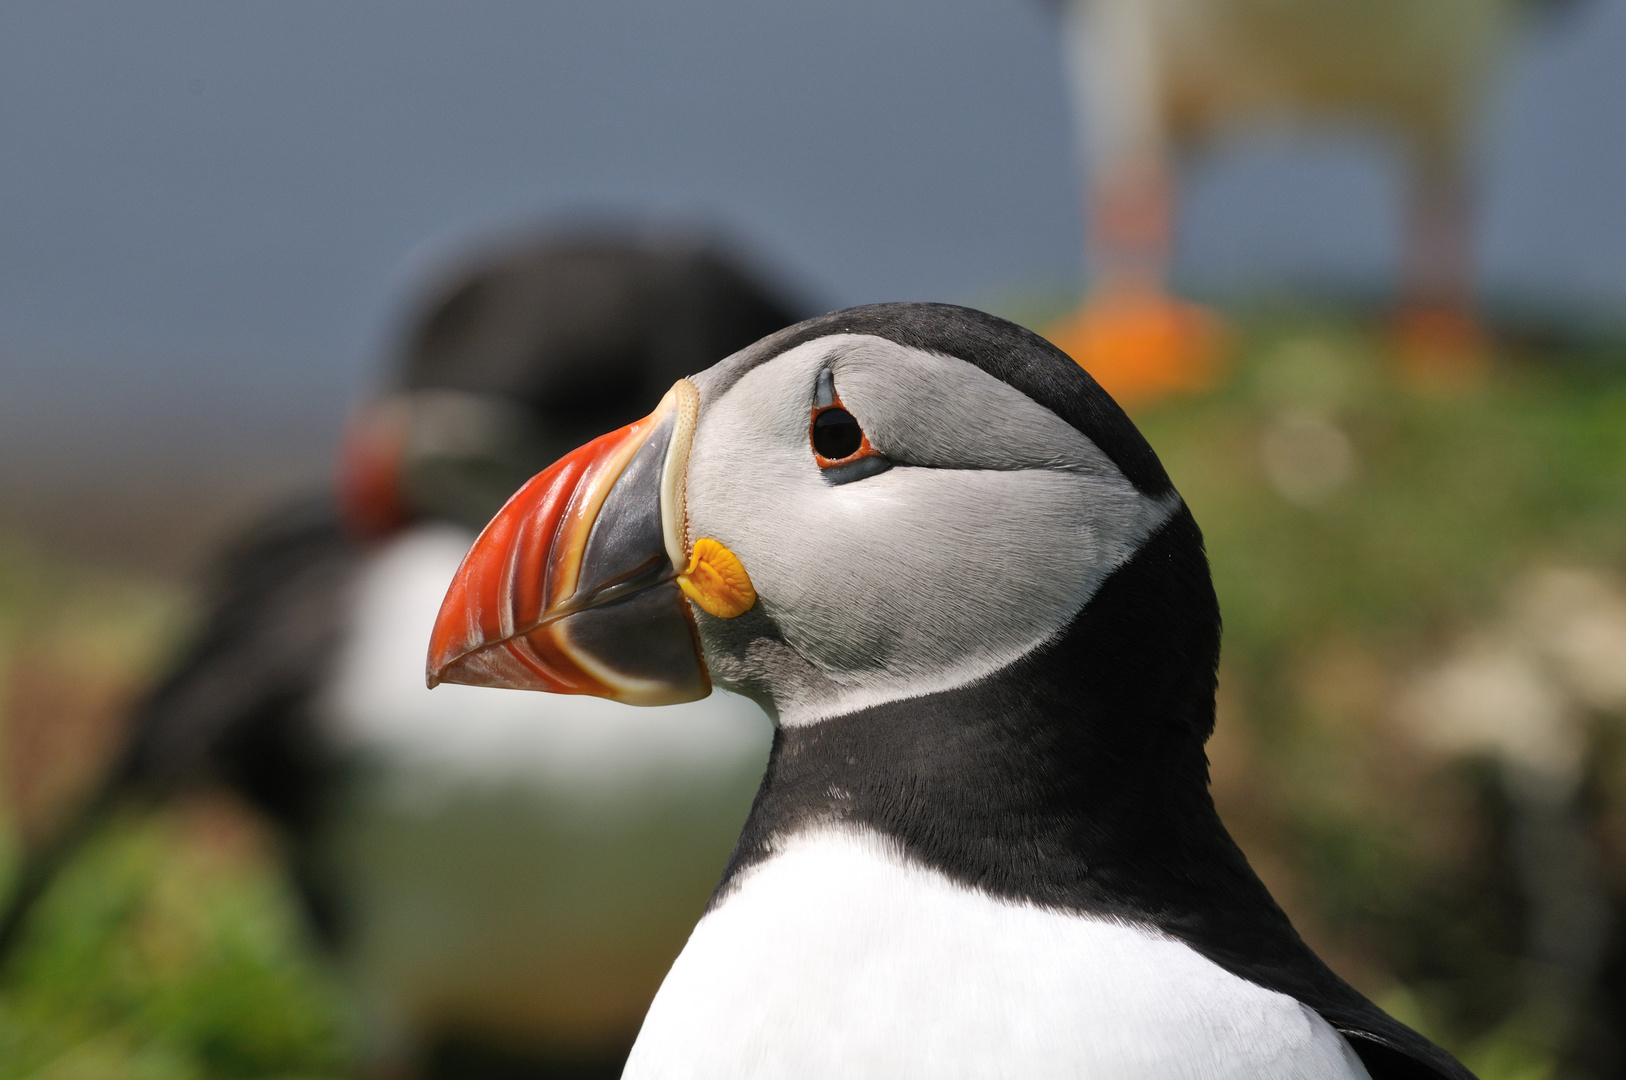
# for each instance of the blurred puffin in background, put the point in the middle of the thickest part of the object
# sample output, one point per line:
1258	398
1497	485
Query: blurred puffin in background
502	879
1154	80
981	616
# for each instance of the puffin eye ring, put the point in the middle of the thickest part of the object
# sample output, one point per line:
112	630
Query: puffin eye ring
840	448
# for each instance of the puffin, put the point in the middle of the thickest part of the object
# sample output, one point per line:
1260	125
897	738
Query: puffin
1157	82
501	881
961	584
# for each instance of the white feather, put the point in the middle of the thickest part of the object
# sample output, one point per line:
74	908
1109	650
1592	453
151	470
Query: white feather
839	958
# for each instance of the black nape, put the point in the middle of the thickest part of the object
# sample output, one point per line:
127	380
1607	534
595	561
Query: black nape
1074	778
457	1057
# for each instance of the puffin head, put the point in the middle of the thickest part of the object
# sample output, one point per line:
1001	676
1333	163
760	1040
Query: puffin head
879	504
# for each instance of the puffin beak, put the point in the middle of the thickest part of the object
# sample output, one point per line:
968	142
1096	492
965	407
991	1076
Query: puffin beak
572	587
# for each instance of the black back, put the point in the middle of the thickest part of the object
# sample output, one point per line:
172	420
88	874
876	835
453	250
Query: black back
1075	778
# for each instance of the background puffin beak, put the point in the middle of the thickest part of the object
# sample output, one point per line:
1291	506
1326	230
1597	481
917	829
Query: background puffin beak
570	589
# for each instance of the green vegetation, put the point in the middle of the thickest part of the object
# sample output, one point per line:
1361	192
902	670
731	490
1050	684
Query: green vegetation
170	949
1358	529
160	956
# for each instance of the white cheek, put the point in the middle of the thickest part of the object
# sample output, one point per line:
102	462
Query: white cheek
906	583
751	463
919	571
918	580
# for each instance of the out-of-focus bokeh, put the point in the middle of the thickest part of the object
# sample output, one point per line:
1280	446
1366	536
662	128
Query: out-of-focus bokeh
216	220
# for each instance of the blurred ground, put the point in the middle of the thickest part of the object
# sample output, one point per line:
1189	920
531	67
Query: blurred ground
1360	530
1367	536
172	948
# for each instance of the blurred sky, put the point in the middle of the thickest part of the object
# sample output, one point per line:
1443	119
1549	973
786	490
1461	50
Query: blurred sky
210	213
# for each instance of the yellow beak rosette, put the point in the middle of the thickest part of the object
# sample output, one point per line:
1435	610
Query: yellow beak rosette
716	580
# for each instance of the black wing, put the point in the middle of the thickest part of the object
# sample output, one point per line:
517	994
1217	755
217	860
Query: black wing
238	705
1255	940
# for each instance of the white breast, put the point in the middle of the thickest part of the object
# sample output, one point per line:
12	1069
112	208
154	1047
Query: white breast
519	865
837	958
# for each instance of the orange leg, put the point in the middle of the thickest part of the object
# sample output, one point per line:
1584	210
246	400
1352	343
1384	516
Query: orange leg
1440	339
1139	341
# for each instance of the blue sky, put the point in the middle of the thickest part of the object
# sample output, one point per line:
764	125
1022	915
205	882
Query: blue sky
211	213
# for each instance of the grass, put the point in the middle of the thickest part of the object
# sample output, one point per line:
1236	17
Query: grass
170	949
161	956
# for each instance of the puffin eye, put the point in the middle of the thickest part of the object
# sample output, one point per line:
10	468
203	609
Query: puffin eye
836	434
840	448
